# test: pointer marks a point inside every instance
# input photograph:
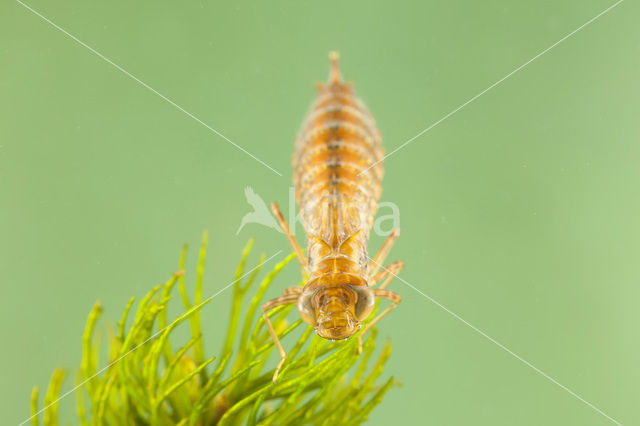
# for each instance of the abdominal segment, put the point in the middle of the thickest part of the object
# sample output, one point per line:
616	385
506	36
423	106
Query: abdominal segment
337	179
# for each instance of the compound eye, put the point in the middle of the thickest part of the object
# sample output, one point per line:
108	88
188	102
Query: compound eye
365	303
306	309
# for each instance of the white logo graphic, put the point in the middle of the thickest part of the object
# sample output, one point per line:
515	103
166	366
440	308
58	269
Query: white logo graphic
260	213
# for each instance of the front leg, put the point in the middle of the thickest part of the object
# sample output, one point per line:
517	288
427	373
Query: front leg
386	294
291	296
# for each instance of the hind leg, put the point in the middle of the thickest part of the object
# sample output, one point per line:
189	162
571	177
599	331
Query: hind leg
387	274
292	240
382	254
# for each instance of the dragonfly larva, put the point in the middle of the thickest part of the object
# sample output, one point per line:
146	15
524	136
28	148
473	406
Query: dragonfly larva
337	175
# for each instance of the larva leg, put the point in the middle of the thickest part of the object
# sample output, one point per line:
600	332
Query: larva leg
387	274
292	290
379	258
386	294
279	301
291	238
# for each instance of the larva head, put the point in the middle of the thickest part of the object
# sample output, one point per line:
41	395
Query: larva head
336	312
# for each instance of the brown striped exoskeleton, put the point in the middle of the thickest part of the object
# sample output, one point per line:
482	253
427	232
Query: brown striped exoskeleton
337	174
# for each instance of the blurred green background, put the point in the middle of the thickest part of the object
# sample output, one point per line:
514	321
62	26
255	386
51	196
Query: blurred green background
519	213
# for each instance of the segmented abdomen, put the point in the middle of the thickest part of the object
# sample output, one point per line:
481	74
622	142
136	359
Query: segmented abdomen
337	178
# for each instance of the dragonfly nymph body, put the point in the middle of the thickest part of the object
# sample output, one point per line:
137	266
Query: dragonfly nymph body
337	178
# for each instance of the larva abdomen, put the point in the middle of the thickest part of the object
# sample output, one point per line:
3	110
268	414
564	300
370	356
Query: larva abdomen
337	178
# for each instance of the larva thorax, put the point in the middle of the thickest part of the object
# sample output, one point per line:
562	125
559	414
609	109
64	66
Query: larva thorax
337	179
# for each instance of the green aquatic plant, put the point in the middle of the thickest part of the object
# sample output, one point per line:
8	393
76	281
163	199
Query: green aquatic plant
149	382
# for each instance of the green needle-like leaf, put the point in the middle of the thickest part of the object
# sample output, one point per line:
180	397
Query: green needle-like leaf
147	382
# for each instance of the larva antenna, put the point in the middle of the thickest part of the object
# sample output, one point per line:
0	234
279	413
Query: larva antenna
334	68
